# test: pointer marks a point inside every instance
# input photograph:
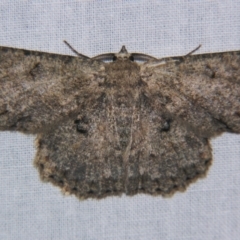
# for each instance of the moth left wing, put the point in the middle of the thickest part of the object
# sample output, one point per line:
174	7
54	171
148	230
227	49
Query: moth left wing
38	90
87	164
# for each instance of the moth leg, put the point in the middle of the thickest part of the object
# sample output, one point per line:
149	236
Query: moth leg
159	62
78	54
154	62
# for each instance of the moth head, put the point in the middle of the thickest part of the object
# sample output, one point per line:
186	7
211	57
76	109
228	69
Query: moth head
123	55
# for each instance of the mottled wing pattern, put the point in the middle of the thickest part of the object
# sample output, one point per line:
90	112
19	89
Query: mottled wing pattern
165	156
38	90
87	165
186	103
145	134
202	92
217	91
88	156
108	129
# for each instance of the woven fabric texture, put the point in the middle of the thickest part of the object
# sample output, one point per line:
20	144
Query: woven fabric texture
30	209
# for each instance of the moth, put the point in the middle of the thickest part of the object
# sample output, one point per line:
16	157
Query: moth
124	126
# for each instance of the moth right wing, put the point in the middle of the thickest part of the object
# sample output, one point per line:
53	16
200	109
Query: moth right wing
202	92
186	103
38	90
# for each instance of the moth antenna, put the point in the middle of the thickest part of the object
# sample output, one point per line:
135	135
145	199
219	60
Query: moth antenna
143	57
181	58
103	57
193	51
76	52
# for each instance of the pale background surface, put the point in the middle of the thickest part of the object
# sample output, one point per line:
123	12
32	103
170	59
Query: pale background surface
30	209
